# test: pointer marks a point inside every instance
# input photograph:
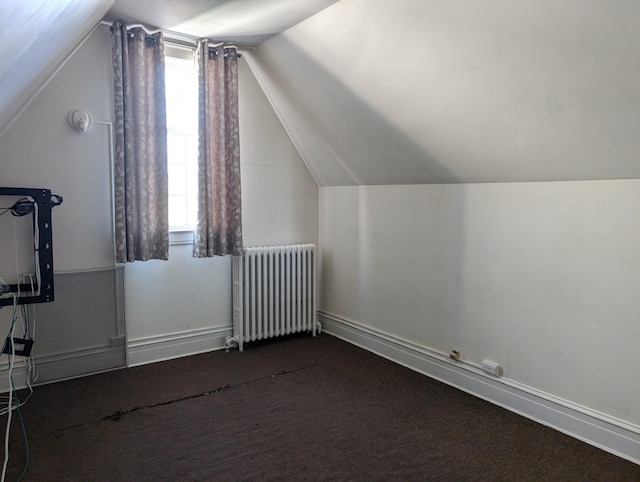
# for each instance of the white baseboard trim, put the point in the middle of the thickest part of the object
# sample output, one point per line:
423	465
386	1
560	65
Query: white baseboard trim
612	435
165	347
53	368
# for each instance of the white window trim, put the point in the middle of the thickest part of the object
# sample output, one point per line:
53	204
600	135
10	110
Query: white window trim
179	237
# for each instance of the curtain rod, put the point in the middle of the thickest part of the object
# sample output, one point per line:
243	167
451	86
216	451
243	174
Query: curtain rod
178	39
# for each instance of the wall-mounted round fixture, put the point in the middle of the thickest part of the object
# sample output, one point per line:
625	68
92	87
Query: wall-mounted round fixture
80	120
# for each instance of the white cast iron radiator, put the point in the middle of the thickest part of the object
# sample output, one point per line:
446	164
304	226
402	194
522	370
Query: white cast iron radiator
274	293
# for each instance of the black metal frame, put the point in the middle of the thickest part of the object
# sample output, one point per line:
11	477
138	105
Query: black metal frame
43	292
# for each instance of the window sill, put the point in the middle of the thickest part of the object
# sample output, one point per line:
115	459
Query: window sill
180	237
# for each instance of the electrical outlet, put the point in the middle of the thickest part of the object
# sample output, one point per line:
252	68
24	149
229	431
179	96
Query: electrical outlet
491	368
18	346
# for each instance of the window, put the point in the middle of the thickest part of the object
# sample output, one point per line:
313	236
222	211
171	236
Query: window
181	83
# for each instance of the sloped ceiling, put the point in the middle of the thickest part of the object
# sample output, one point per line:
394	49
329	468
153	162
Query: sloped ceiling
448	91
35	38
402	91
242	22
37	35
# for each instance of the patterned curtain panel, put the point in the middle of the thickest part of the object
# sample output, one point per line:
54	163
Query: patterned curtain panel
140	142
219	230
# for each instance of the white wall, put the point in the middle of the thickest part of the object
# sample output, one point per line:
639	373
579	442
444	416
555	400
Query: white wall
40	149
542	278
440	96
279	196
166	302
279	206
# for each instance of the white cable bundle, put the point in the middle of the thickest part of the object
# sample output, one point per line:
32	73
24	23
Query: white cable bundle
28	333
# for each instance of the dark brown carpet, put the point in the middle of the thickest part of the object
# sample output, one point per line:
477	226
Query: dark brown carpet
298	409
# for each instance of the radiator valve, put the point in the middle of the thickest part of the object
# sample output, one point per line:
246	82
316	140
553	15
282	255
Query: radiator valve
231	343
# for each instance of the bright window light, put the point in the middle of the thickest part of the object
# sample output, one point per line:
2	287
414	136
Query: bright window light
181	83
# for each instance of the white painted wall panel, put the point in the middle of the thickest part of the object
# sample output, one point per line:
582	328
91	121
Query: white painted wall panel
175	296
279	196
279	206
184	295
541	278
41	150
